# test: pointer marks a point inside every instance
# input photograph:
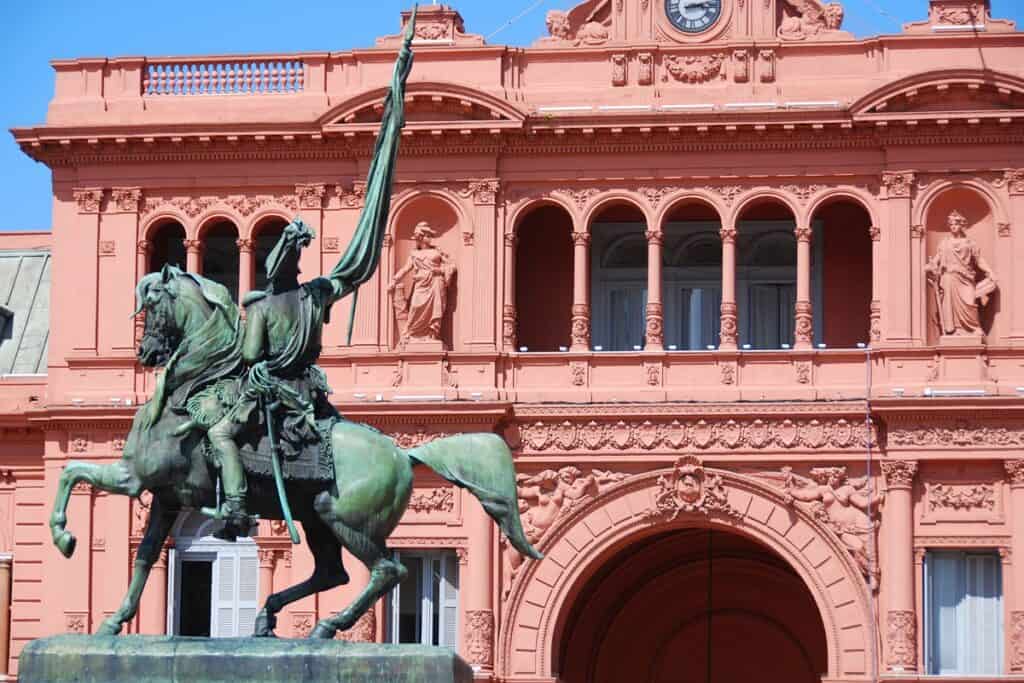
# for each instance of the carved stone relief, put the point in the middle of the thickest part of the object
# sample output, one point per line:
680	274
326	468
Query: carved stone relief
807	19
480	637
991	434
438	500
693	68
690	489
587	23
962	502
901	639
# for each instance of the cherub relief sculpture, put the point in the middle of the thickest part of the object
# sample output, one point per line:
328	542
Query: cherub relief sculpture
811	18
953	274
432	271
585	24
547	496
846	506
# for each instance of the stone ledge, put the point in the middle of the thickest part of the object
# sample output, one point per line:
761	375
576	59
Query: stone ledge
165	659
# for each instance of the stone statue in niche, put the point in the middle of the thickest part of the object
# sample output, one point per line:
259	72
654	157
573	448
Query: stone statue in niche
585	24
810	18
847	506
420	313
953	273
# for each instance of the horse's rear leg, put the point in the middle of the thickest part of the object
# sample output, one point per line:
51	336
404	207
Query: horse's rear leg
112	478
328	572
385	574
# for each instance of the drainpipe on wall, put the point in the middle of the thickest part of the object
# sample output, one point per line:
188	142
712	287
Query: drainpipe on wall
6	560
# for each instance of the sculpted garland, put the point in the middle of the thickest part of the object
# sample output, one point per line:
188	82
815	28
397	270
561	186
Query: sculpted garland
248	406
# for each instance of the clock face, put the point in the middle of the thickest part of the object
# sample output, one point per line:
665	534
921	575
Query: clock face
693	16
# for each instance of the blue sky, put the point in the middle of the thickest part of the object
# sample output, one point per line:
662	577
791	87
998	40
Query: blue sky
40	30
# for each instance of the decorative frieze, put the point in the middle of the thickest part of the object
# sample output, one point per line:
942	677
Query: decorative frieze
581	196
411	439
693	68
693	490
438	500
705	434
1015	472
988	434
901	640
190	206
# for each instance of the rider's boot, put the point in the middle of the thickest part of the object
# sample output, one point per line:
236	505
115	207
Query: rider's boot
236	521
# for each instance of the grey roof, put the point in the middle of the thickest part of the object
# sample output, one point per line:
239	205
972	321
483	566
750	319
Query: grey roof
24	311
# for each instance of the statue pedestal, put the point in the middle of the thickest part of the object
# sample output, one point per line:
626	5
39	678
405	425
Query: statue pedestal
171	659
961	340
424	346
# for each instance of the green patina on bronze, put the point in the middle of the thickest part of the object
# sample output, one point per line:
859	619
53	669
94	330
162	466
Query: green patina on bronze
233	397
131	659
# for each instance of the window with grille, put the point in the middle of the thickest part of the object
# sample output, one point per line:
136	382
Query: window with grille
424	608
963	629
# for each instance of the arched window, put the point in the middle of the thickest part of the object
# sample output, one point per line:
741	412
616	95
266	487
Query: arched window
167	246
544	279
692	277
220	254
618	278
766	275
841	274
267	233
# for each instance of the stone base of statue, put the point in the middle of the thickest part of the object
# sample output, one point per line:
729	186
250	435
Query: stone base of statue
423	345
167	659
961	340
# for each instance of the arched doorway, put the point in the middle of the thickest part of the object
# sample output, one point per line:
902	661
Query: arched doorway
647	615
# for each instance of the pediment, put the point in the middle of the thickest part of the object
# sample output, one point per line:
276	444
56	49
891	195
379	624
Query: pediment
948	92
428	103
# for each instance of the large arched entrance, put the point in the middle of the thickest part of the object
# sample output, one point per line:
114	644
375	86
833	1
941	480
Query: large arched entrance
626	572
646	615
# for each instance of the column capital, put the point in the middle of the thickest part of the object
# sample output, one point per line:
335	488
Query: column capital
143	247
193	246
898	184
1015	472
510	239
244	245
803	233
899	474
655	237
268	558
6	559
727	234
580	239
88	199
876	233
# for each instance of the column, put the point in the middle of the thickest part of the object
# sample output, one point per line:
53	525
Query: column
477	578
803	335
1015	572
901	618
6	560
1015	188
896	307
508	316
479	245
193	249
268	561
655	311
153	605
81	247
727	333
246	267
142	251
580	291
876	284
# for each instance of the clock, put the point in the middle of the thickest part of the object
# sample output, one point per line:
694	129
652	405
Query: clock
693	16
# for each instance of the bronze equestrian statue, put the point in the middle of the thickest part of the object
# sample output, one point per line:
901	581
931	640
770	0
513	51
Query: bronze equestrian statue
246	405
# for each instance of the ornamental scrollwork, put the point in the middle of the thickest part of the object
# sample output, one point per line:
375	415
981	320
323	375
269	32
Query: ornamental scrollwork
480	637
693	68
691	489
432	500
959	434
901	637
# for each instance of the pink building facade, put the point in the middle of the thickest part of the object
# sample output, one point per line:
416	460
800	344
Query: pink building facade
744	293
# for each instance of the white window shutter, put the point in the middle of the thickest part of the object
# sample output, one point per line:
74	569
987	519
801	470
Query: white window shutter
449	636
225	625
248	594
982	615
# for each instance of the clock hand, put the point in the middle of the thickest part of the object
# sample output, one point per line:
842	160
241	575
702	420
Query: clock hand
696	4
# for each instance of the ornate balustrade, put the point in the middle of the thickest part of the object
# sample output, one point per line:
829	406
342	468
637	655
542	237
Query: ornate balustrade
229	76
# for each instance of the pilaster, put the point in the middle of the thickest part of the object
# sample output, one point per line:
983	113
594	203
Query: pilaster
728	322
900	621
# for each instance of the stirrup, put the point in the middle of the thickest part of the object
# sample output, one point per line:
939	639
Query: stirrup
236	521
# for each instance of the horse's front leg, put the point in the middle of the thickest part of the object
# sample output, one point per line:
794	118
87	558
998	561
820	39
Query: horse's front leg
157	527
112	478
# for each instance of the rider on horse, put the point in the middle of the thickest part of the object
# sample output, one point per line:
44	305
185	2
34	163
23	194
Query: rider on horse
280	347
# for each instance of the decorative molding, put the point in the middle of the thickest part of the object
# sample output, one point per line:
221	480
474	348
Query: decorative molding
654	196
645	61
967	541
107	248
741	66
901	638
310	196
898	184
578	371
580	324
1015	472
962	433
78	444
89	199
728	370
480	638
728	193
1016	641
331	245
267	558
803	194
695	432
767	68
875	233
655	325
352	197
1003	229
653	372
581	197
485	192
509	326
126	199
693	68
728	324
411	439
432	500
619	76
962	503
916	232
804	332
1014	180
690	489
76	622
803	372
899	474
302	624
244	245
876	321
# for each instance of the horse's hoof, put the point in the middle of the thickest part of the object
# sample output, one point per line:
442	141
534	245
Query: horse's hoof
265	625
65	542
323	631
109	627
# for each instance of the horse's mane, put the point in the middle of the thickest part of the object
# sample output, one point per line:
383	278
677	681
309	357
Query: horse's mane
213	352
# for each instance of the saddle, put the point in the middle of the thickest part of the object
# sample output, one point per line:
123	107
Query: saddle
312	461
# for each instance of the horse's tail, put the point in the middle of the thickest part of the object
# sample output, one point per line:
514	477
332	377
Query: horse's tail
481	463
